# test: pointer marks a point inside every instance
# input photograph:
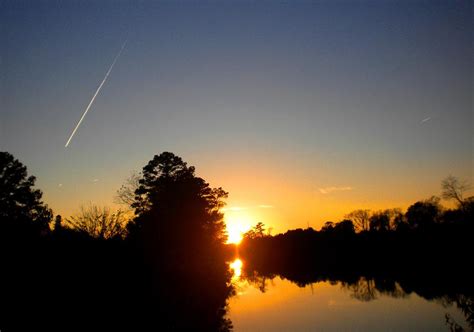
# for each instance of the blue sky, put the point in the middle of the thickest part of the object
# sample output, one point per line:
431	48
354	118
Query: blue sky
273	101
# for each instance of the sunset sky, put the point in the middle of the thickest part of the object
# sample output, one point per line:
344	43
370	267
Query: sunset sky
303	111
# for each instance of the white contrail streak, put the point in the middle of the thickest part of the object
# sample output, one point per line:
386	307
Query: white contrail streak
95	94
426	119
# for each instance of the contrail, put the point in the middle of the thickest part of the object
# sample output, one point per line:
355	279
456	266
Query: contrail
96	93
426	119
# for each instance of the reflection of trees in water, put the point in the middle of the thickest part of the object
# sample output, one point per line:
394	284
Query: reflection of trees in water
259	281
466	305
452	324
369	288
363	290
366	289
193	298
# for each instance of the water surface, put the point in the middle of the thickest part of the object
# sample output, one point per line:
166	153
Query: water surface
266	304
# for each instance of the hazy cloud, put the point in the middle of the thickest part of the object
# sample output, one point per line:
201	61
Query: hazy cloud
265	206
329	190
234	208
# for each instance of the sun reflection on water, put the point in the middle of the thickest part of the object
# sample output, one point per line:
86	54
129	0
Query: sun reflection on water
236	267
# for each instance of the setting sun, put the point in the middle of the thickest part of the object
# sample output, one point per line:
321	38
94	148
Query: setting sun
235	232
237	223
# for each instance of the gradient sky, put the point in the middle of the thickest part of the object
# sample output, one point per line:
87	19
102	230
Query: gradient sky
303	111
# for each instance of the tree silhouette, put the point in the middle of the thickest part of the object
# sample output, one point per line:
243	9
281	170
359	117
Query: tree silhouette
177	206
344	227
181	232
424	214
58	223
258	231
328	226
360	218
19	202
396	217
380	221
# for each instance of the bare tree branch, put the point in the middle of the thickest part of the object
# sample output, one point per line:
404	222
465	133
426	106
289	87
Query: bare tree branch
126	194
453	188
360	219
99	222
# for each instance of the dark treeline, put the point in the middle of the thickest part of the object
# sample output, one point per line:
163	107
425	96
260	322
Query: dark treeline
163	268
424	237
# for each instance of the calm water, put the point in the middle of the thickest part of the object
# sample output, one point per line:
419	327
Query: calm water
278	304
